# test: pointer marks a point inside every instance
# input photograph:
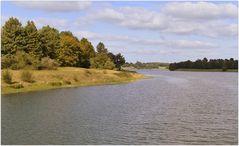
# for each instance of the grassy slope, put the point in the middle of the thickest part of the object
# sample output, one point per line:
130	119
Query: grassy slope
77	77
207	70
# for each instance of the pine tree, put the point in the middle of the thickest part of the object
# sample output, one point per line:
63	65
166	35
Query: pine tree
101	48
49	41
12	37
32	37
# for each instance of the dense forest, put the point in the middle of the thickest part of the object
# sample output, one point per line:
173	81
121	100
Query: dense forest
223	64
47	48
148	65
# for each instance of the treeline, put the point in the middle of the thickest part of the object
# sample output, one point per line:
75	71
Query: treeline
149	65
223	64
47	48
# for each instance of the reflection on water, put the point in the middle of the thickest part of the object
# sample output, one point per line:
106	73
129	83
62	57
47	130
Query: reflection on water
171	108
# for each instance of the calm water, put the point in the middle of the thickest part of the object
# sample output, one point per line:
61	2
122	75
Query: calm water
171	108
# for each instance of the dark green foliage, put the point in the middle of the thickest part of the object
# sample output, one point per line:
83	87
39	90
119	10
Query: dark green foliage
27	76
17	86
119	60
172	66
49	41
32	40
7	77
8	61
205	64
12	37
47	48
101	48
87	52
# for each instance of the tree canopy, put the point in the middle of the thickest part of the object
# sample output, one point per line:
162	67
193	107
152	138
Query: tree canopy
223	64
26	45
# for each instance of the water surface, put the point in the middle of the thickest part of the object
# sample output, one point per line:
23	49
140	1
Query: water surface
170	108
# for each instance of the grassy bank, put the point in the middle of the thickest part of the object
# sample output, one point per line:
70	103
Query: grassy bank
66	77
207	70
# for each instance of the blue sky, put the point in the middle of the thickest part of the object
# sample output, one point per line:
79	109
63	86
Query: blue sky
141	31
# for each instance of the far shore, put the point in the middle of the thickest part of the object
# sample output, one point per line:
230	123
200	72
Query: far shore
65	77
206	70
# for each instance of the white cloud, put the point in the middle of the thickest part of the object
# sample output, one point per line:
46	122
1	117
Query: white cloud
61	23
200	10
129	17
41	21
182	44
55	6
204	18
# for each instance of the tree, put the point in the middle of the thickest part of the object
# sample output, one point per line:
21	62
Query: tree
102	61
224	66
50	41
69	53
204	63
32	38
12	37
101	48
119	60
87	52
172	66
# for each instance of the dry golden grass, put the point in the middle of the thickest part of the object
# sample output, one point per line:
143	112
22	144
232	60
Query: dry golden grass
67	77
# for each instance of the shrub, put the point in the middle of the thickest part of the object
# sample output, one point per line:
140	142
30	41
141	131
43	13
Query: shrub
47	63
17	86
7	77
67	82
87	72
56	83
20	60
27	76
8	61
75	78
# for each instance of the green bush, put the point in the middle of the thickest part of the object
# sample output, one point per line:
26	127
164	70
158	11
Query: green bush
20	60
102	61
8	61
7	77
55	83
17	86
27	76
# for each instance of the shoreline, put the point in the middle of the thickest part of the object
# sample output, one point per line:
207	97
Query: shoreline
206	70
96	77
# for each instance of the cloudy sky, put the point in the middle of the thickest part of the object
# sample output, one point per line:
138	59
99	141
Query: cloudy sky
143	31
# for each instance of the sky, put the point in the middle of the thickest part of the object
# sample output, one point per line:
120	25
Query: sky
143	31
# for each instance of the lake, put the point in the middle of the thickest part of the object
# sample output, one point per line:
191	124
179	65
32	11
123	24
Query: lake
170	108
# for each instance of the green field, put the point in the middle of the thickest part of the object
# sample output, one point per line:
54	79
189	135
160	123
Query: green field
66	77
